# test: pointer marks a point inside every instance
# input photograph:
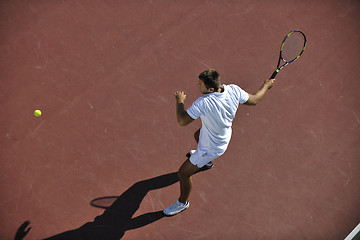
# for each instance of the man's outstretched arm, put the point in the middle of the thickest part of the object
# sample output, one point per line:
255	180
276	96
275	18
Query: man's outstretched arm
259	95
182	116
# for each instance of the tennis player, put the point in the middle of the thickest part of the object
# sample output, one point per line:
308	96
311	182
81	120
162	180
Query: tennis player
216	108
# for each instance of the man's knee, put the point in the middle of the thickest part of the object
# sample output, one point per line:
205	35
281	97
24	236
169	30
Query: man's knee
187	170
183	174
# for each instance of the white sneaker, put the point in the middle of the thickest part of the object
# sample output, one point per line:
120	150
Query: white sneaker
176	208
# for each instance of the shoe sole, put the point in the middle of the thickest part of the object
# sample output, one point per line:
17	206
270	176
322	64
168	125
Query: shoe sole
169	215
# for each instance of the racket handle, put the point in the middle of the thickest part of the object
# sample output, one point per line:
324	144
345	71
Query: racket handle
273	75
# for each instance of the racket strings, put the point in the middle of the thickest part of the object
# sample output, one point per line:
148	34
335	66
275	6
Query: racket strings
293	46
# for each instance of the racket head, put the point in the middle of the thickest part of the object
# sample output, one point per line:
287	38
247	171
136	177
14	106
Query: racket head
292	46
103	202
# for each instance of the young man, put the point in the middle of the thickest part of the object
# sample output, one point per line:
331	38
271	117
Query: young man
216	108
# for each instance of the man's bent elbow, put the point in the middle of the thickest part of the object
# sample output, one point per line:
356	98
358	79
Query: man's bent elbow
251	103
184	119
182	123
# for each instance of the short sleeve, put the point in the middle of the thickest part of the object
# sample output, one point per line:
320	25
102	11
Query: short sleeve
240	94
244	96
194	111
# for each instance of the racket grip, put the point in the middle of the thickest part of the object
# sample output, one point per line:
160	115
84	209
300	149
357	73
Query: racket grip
273	75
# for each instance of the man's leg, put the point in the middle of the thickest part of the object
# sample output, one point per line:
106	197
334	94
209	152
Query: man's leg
185	172
197	135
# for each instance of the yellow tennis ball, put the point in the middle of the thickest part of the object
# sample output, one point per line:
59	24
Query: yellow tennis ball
37	113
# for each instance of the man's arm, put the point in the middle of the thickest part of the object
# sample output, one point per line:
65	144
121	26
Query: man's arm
182	116
259	95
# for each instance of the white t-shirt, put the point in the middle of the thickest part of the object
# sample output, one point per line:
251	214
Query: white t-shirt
217	111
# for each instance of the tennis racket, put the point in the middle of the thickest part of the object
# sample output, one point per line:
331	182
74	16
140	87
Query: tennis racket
291	49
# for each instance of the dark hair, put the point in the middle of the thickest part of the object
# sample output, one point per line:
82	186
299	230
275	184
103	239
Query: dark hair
211	79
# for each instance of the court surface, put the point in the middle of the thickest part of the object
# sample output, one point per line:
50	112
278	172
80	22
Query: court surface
104	75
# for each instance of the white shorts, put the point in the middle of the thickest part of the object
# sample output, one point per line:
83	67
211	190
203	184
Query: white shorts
200	158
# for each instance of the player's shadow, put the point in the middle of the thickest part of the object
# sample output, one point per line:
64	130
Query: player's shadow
117	218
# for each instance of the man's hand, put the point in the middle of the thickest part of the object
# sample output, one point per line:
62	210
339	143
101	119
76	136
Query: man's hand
259	95
182	116
269	83
180	96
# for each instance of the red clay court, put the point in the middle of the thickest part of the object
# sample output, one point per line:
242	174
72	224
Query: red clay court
104	74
